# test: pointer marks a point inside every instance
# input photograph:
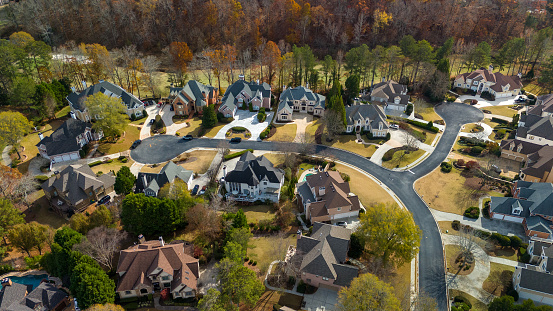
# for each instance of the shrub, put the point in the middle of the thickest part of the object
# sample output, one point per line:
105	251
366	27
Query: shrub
516	242
254	263
462	299
446	167
261	117
472	212
388	136
501	133
501	239
486	210
513	293
500	121
409	109
41	178
95	163
125	160
455	225
250	106
6	268
476	150
461	162
236	154
423	125
301	287
276	307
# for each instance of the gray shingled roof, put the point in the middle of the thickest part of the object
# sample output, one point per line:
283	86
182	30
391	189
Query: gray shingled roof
78	100
325	251
390	90
13	294
536	280
167	174
527	147
64	138
251	88
302	93
251	170
195	90
375	114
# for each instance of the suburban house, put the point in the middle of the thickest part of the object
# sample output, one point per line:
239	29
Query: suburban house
21	297
483	80
543	106
150	183
392	94
77	100
242	93
66	142
155	266
531	206
299	99
535	281
193	97
324	257
76	187
326	197
366	117
254	179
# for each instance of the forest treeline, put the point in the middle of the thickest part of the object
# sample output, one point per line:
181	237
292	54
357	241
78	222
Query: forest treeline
325	25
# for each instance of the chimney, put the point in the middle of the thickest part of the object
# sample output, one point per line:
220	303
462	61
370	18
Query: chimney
84	84
307	85
490	68
257	81
72	114
241	77
6	282
321	191
161	243
100	81
73	89
203	94
224	171
57	174
40	136
141	239
298	234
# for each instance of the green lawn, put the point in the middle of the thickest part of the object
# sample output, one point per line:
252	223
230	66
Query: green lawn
28	143
193	128
499	280
131	134
63	112
214	130
505	111
285	132
407	159
263	250
426	110
114	166
347	142
534	88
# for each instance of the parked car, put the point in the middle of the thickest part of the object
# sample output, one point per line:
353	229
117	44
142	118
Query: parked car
104	200
235	140
195	190
342	224
520	99
496	169
394	126
486	111
136	143
171	108
187	137
203	190
152	121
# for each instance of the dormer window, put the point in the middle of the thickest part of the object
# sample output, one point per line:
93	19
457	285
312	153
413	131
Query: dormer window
511	146
519	148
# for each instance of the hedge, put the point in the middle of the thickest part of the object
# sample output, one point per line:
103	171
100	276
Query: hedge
472	212
423	125
236	154
41	178
95	163
462	300
446	167
500	121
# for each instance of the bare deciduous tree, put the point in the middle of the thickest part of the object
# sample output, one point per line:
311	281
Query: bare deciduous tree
101	244
218	203
204	220
410	141
333	123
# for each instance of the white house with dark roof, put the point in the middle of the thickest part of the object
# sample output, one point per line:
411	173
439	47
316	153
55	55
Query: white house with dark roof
390	93
299	99
531	206
150	183
242	93
324	256
367	117
77	100
485	80
535	281
253	179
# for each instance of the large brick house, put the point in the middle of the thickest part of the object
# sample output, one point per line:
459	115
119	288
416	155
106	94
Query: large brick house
76	187
242	93
326	197
77	100
485	80
324	257
299	99
154	266
193	97
531	206
66	142
535	280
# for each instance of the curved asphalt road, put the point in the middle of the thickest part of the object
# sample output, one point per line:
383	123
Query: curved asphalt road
431	261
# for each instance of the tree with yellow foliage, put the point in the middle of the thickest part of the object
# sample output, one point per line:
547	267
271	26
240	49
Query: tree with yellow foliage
366	293
13	126
109	113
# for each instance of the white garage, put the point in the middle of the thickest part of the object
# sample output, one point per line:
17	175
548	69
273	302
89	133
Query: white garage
513	219
536	297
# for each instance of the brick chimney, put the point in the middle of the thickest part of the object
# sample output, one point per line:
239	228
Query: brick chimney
40	136
141	239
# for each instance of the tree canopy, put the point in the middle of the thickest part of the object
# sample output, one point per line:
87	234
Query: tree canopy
367	293
124	181
109	113
9	217
13	126
209	118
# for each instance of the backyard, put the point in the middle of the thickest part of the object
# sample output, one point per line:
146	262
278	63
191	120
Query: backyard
270	298
257	213
285	132
264	251
199	161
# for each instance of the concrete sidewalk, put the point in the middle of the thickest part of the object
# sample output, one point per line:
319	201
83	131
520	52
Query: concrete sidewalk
6	155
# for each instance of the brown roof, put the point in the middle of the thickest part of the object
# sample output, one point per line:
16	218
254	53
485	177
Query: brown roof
139	262
542	162
498	78
336	193
527	147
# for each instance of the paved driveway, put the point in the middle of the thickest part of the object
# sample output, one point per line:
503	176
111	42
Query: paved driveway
321	298
161	148
507	101
247	119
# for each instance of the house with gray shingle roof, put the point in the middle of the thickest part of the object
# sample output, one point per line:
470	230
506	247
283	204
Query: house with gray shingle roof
77	100
299	99
66	142
193	97
531	206
150	183
485	80
19	297
367	117
392	94
76	187
253	179
535	281
154	266
242	93
326	197
543	106
324	257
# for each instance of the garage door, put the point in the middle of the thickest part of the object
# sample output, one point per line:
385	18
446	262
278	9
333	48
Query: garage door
498	216
66	158
58	159
513	219
74	156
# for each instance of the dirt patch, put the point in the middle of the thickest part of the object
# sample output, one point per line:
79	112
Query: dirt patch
457	263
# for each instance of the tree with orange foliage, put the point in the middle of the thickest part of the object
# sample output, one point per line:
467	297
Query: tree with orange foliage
180	56
271	59
97	55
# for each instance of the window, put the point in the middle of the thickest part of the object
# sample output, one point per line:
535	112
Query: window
339	209
144	291
325	279
128	292
459	84
165	278
166	285
186	272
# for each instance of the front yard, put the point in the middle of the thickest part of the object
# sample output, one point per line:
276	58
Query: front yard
347	142
505	111
401	159
214	130
199	161
193	128
500	279
114	166
124	143
477	305
369	191
284	132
